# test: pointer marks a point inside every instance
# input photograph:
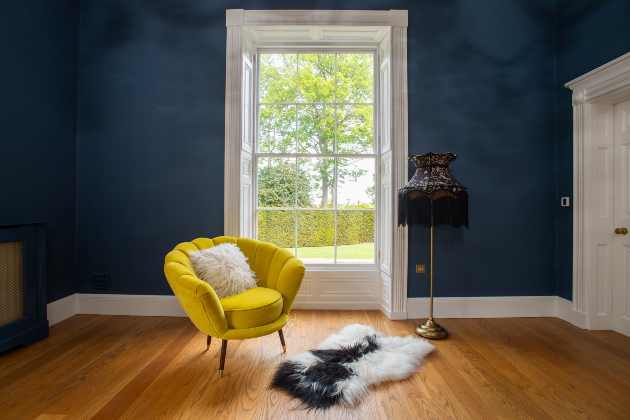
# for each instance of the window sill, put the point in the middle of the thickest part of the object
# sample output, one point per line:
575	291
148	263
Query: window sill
343	267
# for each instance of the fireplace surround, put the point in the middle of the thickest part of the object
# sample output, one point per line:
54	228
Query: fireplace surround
22	285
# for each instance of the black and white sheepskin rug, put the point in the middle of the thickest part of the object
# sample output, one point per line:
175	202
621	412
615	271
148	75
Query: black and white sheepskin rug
340	370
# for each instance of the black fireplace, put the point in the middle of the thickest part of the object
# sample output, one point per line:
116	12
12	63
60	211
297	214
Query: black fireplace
22	285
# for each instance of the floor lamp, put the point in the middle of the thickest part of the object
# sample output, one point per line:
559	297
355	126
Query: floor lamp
432	197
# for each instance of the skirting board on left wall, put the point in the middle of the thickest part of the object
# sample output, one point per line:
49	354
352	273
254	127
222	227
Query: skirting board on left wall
62	309
449	307
153	305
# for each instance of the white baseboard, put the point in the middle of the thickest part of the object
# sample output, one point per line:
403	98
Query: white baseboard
159	305
62	309
483	307
448	307
499	307
564	310
393	315
141	305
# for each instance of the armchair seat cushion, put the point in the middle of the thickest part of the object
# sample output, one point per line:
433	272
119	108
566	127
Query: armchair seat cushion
252	308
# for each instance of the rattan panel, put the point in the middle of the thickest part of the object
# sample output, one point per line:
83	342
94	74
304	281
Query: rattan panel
11	282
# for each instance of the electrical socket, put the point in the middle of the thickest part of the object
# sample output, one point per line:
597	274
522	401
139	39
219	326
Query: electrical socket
101	282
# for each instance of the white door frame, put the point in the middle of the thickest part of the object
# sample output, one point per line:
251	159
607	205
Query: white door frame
239	23
594	95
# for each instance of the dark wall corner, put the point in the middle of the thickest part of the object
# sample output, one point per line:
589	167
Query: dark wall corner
38	117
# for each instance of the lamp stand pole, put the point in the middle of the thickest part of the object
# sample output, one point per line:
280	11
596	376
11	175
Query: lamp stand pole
431	329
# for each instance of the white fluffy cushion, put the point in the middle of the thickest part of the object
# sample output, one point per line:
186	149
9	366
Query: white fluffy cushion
225	268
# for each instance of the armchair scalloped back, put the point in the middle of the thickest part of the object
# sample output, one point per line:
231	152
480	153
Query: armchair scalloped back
275	268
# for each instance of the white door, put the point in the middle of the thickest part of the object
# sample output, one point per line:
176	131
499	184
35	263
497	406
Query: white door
621	241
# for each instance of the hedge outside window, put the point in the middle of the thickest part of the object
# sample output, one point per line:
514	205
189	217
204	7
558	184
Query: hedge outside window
316	155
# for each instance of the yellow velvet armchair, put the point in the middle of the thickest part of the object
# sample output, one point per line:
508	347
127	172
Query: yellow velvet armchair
256	312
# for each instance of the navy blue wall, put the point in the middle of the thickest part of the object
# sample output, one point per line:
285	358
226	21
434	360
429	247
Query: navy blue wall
484	82
150	137
590	33
480	77
37	127
151	125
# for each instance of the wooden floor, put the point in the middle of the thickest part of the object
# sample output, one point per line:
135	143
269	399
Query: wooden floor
108	367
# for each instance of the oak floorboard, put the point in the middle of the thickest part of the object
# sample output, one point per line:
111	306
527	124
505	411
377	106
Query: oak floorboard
574	361
118	402
547	391
50	381
109	367
27	359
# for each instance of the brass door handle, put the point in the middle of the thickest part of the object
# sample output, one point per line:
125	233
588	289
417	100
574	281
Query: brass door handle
621	231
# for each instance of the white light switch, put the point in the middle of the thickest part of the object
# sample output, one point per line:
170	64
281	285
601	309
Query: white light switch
565	201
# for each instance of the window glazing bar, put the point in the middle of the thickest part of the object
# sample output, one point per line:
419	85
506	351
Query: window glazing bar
316	155
315	103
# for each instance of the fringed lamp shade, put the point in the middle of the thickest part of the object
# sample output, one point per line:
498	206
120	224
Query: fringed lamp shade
433	196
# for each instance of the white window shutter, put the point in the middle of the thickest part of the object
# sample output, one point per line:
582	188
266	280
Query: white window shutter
239	139
247	215
385	210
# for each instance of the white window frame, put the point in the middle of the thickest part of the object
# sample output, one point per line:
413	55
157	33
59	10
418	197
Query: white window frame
364	286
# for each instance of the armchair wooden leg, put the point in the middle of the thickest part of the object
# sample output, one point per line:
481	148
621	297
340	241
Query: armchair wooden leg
222	359
208	341
284	346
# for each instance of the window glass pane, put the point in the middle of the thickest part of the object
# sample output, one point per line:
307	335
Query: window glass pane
355	77
355	236
276	128
277	78
355	129
276	178
316	182
356	183
277	227
316	231
316	78
317	103
315	128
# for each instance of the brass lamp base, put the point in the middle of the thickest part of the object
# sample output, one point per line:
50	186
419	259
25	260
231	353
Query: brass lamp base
431	330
